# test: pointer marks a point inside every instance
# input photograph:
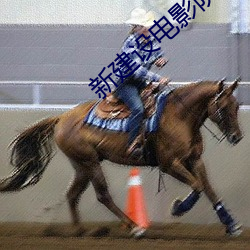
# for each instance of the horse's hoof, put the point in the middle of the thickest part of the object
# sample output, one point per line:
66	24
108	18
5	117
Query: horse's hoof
49	232
174	209
78	232
234	229
99	232
138	232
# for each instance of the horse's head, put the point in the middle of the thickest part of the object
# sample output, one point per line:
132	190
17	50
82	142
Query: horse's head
223	111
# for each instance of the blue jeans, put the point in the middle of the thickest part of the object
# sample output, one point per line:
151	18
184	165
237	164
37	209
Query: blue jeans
130	95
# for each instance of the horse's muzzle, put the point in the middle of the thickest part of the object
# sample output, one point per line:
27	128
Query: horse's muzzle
234	138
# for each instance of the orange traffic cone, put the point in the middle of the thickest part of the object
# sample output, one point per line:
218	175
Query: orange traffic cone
136	209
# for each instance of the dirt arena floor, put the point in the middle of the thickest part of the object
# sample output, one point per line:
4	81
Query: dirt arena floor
114	236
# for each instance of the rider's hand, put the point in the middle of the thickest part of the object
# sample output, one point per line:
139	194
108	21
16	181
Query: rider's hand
164	80
160	62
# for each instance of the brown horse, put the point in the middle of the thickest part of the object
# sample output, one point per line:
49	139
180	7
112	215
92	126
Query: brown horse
177	146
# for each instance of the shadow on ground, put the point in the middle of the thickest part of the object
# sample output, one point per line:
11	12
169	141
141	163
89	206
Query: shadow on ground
114	236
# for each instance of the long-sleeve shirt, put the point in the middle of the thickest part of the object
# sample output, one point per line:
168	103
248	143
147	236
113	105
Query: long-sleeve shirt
143	72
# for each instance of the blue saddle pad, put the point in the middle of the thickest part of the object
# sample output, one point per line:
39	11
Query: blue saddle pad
114	124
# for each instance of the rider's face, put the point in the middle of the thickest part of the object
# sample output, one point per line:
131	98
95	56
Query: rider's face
143	30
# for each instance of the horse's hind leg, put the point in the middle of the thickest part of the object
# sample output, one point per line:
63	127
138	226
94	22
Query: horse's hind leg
103	196
78	186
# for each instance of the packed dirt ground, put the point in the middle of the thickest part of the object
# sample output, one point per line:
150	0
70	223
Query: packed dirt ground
113	236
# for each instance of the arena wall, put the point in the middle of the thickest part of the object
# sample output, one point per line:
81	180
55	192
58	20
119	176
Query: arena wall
77	53
72	41
227	167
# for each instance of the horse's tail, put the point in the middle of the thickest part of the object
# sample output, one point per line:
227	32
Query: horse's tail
31	152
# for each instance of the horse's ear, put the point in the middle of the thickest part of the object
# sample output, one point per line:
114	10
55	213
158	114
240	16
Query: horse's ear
235	84
221	85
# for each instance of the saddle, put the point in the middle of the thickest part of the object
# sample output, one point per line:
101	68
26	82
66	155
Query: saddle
112	107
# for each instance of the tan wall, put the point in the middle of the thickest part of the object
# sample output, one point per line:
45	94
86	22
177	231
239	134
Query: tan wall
218	12
96	11
228	168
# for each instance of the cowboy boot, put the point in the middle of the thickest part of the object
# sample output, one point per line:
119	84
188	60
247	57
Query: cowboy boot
135	149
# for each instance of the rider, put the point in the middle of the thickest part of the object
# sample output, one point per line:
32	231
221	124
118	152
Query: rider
129	90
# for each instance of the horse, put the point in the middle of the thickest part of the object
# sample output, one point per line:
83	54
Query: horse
177	146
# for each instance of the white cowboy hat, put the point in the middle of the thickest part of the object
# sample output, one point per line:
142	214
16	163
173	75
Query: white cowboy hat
141	17
150	16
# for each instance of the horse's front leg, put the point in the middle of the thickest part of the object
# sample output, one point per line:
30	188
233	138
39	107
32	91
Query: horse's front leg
232	227
181	173
182	206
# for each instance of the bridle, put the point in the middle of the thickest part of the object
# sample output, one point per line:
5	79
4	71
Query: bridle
218	114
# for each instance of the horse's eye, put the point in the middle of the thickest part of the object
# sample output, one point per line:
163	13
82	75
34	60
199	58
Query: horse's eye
223	108
237	107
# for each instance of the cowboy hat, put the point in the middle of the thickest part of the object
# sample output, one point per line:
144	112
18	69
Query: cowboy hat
139	16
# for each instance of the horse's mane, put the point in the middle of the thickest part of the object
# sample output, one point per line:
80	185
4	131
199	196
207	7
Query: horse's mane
184	91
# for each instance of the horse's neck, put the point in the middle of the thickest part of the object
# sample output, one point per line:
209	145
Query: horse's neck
195	102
